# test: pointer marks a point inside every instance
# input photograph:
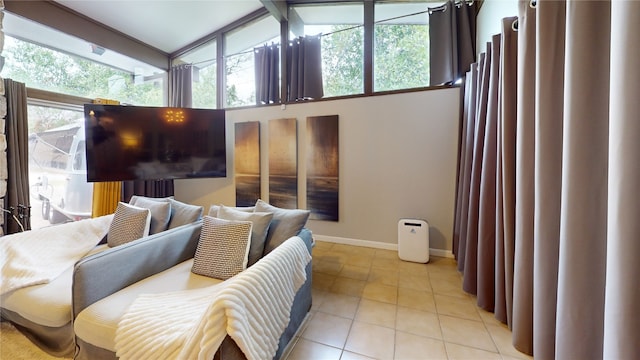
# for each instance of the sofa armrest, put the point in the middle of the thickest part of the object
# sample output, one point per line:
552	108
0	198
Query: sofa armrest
307	236
104	273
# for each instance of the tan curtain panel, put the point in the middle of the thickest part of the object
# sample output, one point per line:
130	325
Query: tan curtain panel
551	234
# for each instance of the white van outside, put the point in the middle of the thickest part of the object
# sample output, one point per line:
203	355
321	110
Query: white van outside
58	173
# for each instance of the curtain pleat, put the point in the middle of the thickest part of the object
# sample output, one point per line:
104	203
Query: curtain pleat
566	176
469	281
17	138
304	69
105	197
267	62
621	323
522	326
583	228
466	163
486	240
507	171
549	102
149	188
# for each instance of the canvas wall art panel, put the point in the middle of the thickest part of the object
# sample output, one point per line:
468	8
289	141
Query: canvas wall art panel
283	163
322	167
247	162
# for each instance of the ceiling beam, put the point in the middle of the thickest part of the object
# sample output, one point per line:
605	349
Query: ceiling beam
277	8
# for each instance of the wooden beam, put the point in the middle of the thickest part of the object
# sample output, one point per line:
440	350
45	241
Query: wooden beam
277	8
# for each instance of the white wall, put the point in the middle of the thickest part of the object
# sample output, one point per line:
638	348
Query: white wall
398	159
489	20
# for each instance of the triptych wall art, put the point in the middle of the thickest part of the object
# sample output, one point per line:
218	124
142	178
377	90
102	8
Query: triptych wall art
247	163
322	160
322	167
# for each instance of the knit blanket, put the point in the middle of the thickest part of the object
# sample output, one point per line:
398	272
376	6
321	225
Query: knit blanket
38	256
253	308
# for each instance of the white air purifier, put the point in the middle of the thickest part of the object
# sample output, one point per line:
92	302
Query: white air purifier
413	240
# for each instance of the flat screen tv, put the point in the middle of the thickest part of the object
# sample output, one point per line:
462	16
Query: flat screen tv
153	143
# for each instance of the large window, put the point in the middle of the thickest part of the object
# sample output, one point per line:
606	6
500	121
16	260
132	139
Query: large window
69	65
401	50
240	87
57	165
341	26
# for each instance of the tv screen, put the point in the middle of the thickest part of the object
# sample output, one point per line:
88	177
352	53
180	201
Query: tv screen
153	143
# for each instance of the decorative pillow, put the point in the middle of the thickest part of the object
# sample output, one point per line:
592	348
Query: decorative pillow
223	248
260	220
182	213
285	224
160	211
129	223
213	210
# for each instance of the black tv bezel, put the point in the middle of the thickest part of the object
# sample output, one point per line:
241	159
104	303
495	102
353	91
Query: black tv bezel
218	118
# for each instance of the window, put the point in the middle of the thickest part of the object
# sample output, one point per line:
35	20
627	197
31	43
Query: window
204	66
240	87
76	67
57	165
341	26
401	46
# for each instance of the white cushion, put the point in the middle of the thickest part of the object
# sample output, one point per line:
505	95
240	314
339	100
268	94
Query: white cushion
223	248
129	223
45	304
97	323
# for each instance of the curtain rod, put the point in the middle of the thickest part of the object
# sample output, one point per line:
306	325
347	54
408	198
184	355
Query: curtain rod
444	6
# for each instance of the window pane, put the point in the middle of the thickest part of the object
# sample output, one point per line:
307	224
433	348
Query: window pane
239	59
44	58
204	67
57	166
401	48
342	43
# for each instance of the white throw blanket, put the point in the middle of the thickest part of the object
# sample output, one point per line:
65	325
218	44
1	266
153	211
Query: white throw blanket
253	307
39	256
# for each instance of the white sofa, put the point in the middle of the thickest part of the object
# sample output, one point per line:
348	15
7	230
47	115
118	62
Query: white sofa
43	312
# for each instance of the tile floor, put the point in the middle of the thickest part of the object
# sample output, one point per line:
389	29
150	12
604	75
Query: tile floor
369	304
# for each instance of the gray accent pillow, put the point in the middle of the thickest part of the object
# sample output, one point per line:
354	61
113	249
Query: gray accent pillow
213	210
223	248
285	224
261	222
129	223
182	213
160	211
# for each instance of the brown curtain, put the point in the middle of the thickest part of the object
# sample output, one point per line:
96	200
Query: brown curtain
452	38
304	69
267	72
180	78
17	137
565	207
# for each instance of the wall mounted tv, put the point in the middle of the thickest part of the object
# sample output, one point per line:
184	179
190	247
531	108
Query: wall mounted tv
153	143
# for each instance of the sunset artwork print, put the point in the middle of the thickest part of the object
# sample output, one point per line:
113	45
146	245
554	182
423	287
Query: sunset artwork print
322	167
283	163
247	163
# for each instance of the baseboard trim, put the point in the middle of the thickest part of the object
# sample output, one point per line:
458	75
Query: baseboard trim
376	245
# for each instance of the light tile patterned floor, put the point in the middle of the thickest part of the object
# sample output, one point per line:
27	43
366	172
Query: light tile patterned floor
369	304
